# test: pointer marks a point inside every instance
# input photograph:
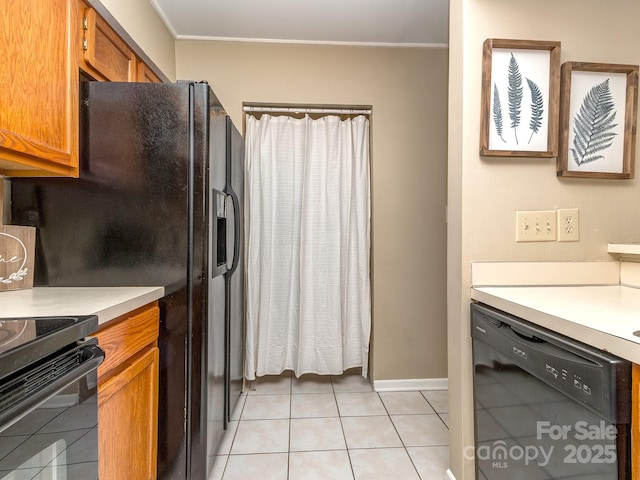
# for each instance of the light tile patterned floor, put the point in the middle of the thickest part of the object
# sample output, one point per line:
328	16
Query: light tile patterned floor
334	428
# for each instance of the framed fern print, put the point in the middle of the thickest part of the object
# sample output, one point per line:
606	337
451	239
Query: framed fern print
598	120
520	97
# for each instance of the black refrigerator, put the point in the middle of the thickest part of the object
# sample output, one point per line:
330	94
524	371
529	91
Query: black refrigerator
158	202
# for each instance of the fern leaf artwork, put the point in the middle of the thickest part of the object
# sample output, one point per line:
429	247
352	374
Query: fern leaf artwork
515	94
497	112
537	108
592	125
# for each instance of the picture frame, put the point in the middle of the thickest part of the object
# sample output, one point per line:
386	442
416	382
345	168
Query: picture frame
604	147
520	97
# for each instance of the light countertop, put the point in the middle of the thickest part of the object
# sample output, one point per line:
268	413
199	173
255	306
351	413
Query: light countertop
105	302
602	316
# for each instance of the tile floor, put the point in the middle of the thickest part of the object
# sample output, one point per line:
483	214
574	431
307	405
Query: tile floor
334	428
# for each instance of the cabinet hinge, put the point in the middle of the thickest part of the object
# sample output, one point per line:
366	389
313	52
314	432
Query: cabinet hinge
85	23
85	44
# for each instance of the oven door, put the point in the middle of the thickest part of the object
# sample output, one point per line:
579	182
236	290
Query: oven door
49	417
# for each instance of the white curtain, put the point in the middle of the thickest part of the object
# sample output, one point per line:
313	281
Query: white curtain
307	245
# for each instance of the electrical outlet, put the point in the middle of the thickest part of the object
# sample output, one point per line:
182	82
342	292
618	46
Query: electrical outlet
536	226
568	225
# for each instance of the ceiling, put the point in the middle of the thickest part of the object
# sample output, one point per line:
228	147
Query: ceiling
351	22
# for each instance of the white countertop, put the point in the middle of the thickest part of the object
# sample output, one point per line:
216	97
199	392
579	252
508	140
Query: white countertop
602	316
105	302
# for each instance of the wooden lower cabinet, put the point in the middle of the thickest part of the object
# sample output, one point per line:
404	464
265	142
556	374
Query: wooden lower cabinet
128	396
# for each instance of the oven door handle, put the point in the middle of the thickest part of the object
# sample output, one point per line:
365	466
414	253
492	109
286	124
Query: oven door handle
92	356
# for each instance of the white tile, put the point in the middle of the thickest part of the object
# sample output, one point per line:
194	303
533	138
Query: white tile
431	462
439	399
227	438
219	464
421	430
270	384
382	464
310	383
235	415
360	404
370	432
351	383
266	466
316	434
305	405
445	418
326	465
261	436
405	403
266	407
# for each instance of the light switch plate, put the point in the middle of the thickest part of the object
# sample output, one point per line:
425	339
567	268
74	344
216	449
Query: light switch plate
536	226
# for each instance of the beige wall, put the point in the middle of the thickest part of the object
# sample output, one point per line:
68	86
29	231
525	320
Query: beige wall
485	193
141	21
407	89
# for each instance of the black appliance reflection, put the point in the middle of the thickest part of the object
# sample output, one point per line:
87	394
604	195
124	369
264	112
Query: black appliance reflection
527	430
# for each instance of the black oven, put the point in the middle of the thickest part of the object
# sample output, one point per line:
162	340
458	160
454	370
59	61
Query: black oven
48	398
546	406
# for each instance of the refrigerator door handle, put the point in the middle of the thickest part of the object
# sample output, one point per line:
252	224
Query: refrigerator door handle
236	231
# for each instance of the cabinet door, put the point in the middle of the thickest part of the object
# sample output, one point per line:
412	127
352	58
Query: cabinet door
127	420
105	55
145	74
39	93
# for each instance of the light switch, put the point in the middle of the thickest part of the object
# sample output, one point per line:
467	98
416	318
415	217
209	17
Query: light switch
536	226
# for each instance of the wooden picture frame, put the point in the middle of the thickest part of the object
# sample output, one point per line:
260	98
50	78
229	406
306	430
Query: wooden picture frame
604	147
520	96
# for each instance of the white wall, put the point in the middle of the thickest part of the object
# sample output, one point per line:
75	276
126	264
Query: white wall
484	193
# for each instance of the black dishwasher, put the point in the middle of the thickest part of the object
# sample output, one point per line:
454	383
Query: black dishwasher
546	406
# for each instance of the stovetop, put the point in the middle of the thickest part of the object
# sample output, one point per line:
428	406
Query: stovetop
26	340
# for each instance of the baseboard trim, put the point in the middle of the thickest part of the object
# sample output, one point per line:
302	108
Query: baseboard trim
410	384
450	474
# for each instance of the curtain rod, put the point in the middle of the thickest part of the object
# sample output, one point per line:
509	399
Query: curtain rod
338	111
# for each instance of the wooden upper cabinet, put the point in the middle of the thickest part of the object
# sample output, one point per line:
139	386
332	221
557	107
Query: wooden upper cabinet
104	54
43	44
145	74
38	88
